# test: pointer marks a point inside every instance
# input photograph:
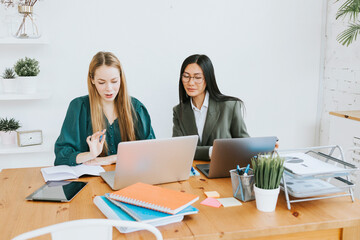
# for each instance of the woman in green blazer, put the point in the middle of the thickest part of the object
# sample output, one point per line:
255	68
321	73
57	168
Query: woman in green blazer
203	110
107	109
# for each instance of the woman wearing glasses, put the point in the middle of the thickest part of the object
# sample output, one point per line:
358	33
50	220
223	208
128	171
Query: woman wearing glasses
203	110
96	123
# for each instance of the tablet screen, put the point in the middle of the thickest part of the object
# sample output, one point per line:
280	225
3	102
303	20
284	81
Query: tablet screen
57	191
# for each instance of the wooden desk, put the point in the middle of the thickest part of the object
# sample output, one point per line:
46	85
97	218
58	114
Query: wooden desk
336	218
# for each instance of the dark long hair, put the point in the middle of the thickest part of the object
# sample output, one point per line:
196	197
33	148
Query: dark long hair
205	64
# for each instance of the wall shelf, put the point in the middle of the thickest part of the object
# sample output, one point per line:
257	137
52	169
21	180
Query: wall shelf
19	41
17	96
45	147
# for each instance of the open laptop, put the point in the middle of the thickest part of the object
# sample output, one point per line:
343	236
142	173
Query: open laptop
227	153
152	161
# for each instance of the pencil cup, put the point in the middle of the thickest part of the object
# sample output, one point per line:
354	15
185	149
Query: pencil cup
243	186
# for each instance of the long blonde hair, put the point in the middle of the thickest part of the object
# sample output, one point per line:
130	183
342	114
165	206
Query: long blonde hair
122	101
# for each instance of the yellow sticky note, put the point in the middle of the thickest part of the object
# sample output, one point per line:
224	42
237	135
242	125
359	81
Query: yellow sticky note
229	202
212	194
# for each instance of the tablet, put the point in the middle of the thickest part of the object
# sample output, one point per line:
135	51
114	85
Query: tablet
57	191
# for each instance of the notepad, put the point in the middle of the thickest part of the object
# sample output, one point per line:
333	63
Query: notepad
229	202
154	197
64	172
211	202
213	194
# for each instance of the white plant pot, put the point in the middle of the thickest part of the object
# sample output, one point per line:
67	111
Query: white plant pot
9	85
266	199
8	138
28	85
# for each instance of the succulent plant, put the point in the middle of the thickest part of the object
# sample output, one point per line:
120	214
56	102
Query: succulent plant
8	74
27	67
268	170
8	125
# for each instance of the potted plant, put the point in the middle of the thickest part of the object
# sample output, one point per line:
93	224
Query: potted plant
27	69
9	81
268	171
8	129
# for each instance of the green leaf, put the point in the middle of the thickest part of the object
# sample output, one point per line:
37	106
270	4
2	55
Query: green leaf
349	35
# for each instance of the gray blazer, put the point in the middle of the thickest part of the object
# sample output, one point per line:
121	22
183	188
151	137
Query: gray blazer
223	120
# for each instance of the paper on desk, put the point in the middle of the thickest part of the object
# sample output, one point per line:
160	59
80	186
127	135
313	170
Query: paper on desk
64	172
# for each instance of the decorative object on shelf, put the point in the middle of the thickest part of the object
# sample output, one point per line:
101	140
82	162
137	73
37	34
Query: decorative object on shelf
27	69
26	23
9	81
351	8
8	129
268	171
29	138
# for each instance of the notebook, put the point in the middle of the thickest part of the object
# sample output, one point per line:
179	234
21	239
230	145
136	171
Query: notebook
111	211
64	172
227	153
154	197
148	215
158	161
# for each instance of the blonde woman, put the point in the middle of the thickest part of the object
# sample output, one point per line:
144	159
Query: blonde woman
95	124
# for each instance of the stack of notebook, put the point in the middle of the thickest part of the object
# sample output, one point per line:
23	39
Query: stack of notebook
146	203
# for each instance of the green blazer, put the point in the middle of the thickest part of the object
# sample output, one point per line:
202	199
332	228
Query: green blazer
223	120
77	127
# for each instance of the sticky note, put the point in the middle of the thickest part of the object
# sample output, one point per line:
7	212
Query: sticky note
212	202
213	194
229	202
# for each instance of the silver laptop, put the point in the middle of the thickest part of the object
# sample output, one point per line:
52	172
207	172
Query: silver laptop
228	153
152	161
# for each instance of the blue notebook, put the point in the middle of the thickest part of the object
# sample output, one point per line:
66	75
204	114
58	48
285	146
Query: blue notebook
148	215
111	211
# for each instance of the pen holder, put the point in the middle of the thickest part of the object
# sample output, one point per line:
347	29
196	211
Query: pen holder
243	186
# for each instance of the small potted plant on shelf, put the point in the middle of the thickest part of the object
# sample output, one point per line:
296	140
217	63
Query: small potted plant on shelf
268	171
8	129
27	69
9	82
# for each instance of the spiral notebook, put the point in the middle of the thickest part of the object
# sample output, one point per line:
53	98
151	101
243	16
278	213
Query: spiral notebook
154	197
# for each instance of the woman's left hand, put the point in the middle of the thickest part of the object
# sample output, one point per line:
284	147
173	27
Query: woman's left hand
101	161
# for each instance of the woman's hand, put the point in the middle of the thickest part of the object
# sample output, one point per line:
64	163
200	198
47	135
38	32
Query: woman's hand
96	143
101	161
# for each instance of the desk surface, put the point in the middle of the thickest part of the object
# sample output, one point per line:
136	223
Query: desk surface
353	115
332	218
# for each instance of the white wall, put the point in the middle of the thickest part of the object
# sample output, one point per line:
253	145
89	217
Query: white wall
265	52
341	83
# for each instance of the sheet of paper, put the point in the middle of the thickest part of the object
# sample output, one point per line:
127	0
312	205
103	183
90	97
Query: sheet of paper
212	194
211	202
229	202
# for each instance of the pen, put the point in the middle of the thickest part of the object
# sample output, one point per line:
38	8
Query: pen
238	169
247	169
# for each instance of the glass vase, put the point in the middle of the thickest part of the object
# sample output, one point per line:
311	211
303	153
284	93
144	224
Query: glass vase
26	23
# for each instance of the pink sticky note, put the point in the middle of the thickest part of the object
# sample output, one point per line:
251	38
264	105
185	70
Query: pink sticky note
212	202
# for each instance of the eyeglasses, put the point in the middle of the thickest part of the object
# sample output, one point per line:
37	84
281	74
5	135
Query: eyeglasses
197	78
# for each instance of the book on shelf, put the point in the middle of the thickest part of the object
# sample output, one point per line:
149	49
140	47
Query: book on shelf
112	211
64	172
154	197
